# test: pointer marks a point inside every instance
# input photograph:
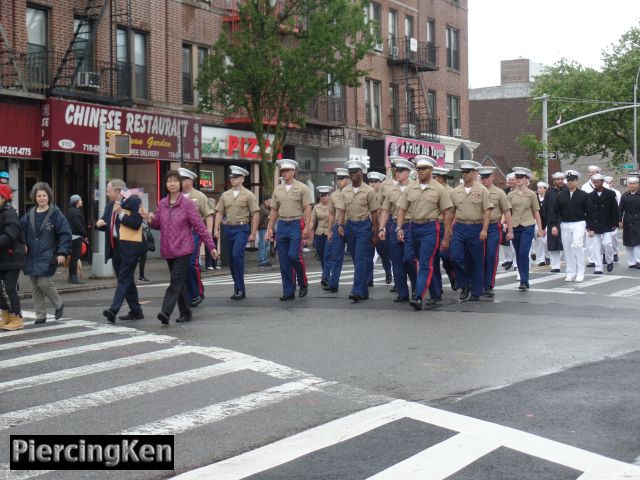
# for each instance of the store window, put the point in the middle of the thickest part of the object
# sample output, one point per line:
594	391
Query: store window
37	45
143	175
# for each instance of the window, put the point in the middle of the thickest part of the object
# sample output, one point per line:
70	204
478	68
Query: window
411	106
373	16
393	106
187	75
453	116
123	63
431	105
372	102
431	41
140	87
393	28
37	45
83	29
453	48
408	26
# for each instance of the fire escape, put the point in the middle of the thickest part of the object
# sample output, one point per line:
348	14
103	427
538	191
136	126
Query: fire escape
412	115
77	73
326	112
11	71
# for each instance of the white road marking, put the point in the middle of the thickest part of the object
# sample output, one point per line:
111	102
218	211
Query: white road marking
54	354
219	411
441	460
6	474
47	327
599	279
97	330
629	292
110	395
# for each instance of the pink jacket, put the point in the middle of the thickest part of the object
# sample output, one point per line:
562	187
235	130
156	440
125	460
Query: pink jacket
175	225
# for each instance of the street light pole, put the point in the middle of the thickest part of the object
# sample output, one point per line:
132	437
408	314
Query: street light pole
635	120
545	138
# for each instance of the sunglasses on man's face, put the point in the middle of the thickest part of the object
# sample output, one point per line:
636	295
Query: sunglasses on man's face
464	171
353	172
484	177
520	177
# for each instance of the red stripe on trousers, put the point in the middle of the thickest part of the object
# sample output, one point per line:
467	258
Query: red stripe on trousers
433	254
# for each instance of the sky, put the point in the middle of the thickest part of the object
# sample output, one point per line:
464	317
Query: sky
544	31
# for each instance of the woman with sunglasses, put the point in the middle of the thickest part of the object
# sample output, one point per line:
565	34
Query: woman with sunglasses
525	214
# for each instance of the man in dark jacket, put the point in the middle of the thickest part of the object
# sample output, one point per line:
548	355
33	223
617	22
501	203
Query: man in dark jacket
554	243
122	224
602	222
78	234
629	215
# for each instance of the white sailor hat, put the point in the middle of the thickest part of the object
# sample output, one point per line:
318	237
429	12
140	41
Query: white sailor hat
404	163
468	165
574	174
440	171
376	176
521	171
542	184
186	173
341	172
593	167
597	176
608	178
486	170
424	161
324	189
287	164
238	171
558	175
355	165
632	180
393	159
510	175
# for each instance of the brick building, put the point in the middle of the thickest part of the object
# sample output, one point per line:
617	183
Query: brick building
67	65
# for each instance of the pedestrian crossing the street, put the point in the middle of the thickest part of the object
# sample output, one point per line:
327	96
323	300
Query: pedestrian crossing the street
74	374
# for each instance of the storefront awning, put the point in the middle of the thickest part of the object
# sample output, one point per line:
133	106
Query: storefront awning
20	131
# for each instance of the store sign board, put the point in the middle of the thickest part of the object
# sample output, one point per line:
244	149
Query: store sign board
206	180
20	131
409	148
69	126
224	143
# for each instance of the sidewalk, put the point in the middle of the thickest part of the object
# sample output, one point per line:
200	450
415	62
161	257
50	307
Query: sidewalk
155	270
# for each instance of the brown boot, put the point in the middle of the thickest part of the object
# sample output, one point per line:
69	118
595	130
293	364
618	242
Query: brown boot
4	317
15	323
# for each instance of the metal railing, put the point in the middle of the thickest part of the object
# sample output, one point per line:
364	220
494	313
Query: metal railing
326	109
422	54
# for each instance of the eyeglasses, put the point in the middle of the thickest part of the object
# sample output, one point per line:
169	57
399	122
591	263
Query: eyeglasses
484	177
520	177
466	171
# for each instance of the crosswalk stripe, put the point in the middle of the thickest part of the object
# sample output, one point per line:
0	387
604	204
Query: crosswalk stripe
54	354
46	328
219	411
598	280
629	292
123	392
97	330
441	460
60	375
6	474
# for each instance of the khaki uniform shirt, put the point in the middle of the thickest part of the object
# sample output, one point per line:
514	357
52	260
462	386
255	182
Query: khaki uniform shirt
333	198
201	201
290	204
321	218
500	203
470	206
238	209
391	199
357	206
523	206
424	204
380	197
449	189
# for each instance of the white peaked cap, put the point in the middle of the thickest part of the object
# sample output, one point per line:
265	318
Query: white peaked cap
235	170
593	167
597	176
287	163
424	161
393	159
521	171
608	178
542	184
341	172
558	175
376	176
404	163
186	173
468	165
486	170
510	175
440	171
632	180
572	173
324	189
355	164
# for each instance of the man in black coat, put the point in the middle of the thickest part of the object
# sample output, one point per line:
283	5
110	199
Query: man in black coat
78	234
629	215
554	243
122	224
602	222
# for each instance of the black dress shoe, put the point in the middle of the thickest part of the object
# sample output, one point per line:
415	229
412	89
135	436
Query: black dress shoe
454	285
110	315
507	265
522	286
547	261
474	298
590	264
434	301
358	298
598	272
416	303
40	321
489	292
541	264
324	283
610	267
132	316
555	270
504	264
58	313
633	266
400	300
238	295
183	318
533	256
330	289
393	289
164	318
388	279
304	289
370	284
464	294
286	298
616	258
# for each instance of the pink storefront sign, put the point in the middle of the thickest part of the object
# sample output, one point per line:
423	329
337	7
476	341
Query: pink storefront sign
409	148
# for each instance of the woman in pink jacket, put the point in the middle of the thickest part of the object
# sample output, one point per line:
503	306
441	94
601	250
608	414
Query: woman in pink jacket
176	217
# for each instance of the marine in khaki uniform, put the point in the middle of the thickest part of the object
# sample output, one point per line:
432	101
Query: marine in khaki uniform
525	214
358	206
241	209
501	209
426	201
195	289
441	176
472	208
335	243
388	225
291	208
320	226
376	181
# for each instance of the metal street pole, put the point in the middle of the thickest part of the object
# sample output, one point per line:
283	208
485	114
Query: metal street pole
100	269
635	120
545	138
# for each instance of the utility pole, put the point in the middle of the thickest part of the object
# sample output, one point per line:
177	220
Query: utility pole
545	138
635	121
100	269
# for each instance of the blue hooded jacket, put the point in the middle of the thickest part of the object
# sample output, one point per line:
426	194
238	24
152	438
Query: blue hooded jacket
52	239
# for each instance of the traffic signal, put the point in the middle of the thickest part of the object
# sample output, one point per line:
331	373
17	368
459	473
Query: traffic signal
118	144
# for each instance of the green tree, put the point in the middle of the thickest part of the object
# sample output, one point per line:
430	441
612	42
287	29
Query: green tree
279	56
576	90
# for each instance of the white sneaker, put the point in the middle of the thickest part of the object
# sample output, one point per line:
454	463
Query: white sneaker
569	278
518	277
210	268
579	278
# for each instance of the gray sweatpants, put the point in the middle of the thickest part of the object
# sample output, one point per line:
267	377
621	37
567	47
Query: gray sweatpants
44	287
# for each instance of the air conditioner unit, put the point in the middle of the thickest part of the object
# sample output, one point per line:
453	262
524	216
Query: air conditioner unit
88	80
413	44
395	51
378	47
457	132
408	130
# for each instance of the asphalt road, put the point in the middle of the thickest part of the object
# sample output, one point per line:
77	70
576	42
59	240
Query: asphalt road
531	385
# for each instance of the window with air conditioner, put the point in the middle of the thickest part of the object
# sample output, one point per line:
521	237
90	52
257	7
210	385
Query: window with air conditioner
83	55
453	116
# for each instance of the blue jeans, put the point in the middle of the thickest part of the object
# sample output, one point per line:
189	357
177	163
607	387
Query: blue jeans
236	237
426	241
289	247
467	251
263	247
358	235
319	243
522	239
494	239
